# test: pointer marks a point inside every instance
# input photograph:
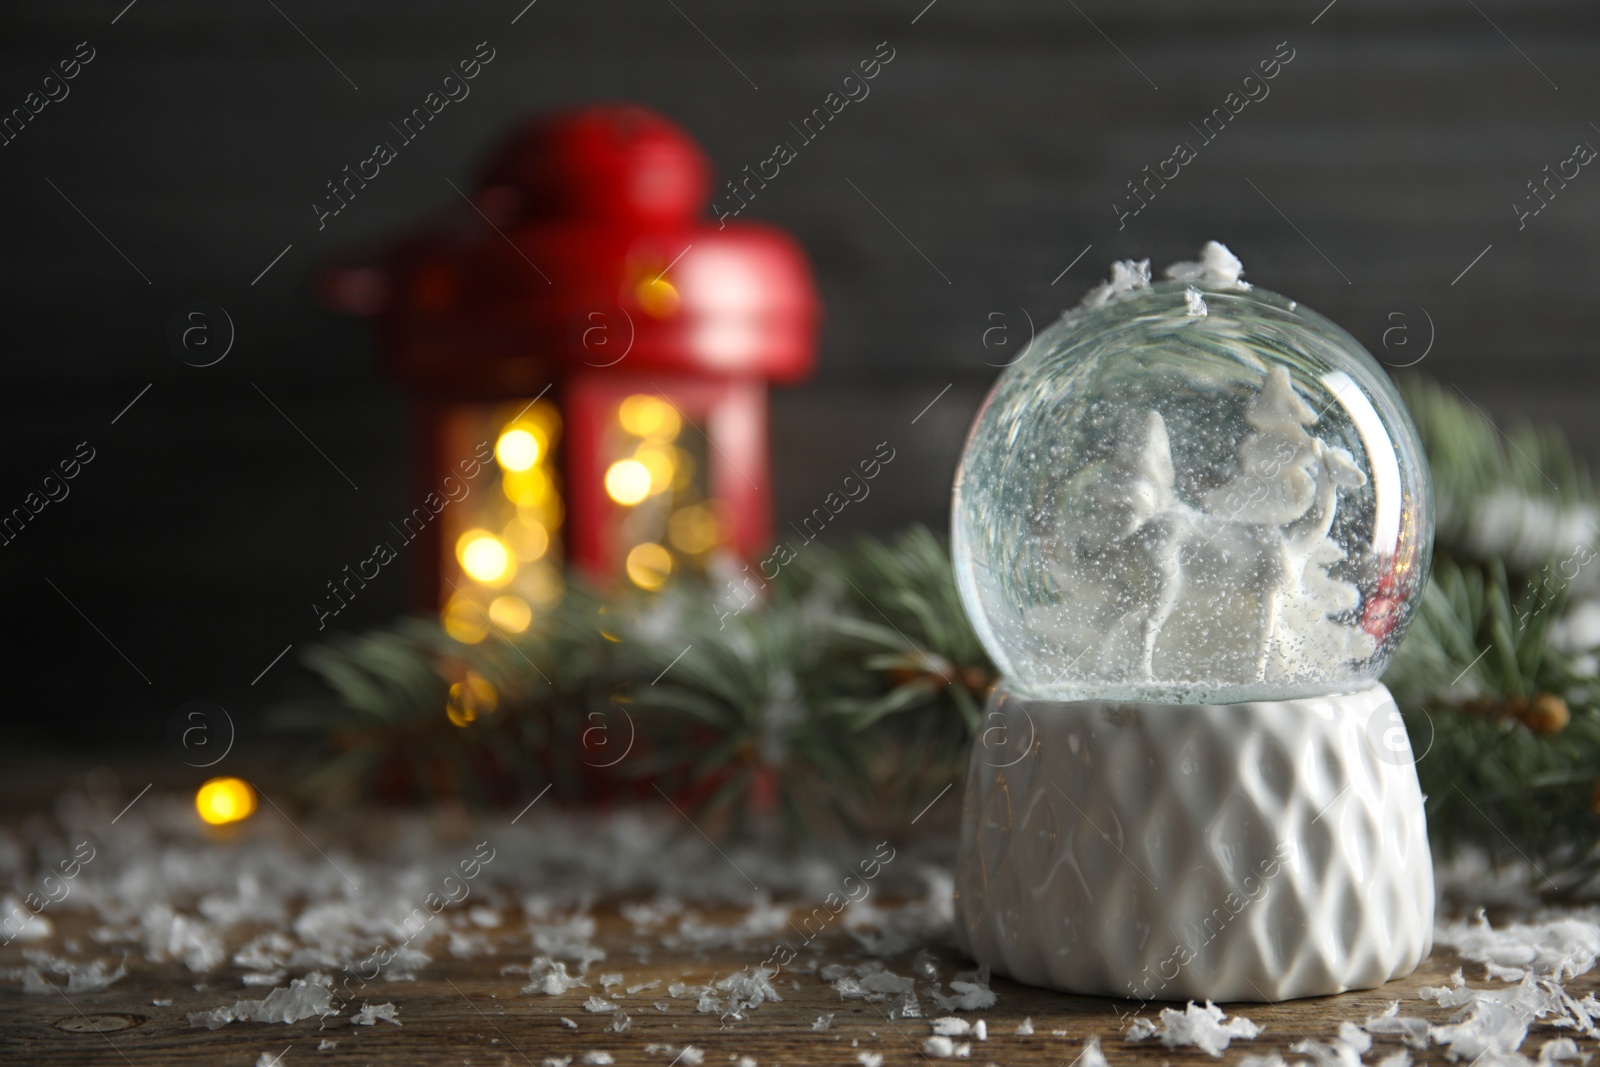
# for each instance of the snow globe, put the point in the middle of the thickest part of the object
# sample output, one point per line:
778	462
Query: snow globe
1190	526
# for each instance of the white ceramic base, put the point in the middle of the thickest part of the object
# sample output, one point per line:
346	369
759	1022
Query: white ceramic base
1258	851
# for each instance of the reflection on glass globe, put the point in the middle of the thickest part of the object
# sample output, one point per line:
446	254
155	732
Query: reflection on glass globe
1191	492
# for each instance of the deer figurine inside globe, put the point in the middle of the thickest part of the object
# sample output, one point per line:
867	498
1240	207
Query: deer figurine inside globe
1190	526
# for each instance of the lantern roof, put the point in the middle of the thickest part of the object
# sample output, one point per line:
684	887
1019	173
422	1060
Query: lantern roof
585	246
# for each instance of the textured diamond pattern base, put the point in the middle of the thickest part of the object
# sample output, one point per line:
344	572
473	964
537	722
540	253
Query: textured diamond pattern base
1258	851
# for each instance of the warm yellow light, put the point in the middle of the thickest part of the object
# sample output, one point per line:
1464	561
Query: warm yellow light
543	419
551	513
648	565
657	297
649	416
470	698
528	538
517	450
485	557
694	529
464	621
528	488
627	481
543	585
510	613
225	800
659	461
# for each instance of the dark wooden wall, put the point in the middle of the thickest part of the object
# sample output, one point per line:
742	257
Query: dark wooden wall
1385	159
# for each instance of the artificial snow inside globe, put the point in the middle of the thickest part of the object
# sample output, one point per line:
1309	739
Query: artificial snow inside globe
1194	491
1190	526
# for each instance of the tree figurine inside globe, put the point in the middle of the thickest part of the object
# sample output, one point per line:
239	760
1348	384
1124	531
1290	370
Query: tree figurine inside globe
1190	526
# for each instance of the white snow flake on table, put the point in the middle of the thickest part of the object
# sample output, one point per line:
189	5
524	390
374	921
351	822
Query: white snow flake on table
371	1013
1207	1028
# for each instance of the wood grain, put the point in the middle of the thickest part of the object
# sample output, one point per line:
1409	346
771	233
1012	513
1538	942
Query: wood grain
466	1012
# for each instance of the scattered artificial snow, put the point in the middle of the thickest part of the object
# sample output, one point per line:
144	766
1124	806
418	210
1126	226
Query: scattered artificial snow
571	939
302	999
81	977
33	928
870	1059
705	996
550	977
1345	1050
950	1026
1207	1028
972	992
1355	1037
1538	956
748	989
1558	948
371	1013
597	1058
823	1022
1091	1055
1217	267
942	1048
1127	276
871	981
326	1044
169	935
568	1023
175	897
1195	304
1411	1030
598	1004
269	978
1558	1049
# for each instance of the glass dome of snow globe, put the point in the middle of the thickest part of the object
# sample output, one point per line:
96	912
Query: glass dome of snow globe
1192	491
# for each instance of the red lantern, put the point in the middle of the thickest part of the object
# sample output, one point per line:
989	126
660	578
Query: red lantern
587	358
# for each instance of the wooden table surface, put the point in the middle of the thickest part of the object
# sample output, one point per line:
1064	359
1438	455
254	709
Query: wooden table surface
465	1011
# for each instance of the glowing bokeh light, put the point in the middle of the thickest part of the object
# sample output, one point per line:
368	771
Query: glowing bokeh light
661	462
648	565
485	557
528	538
657	297
517	450
628	481
471	698
644	415
511	613
694	529
224	800
528	488
464	621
